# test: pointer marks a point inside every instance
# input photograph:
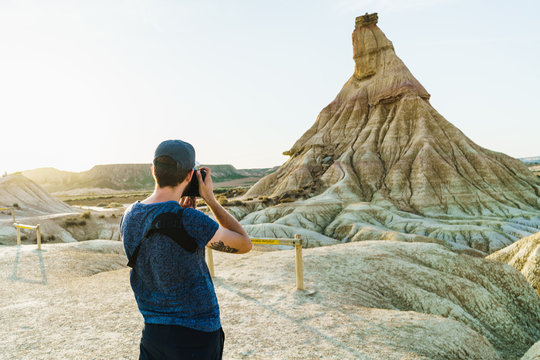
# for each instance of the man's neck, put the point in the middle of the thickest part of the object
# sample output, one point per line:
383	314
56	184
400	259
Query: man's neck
162	194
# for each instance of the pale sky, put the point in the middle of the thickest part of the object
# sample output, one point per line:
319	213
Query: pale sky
103	81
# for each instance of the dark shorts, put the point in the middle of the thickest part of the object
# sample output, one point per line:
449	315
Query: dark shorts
164	342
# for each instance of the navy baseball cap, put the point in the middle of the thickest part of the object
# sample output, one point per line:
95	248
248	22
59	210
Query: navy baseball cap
178	150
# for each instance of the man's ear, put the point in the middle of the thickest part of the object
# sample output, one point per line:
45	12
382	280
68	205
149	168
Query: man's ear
190	175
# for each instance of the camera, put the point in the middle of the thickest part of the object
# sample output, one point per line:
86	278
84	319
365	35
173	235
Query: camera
193	187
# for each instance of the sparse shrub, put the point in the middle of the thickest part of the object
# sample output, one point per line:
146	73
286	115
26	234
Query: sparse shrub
74	222
86	215
101	216
249	199
262	198
16	205
233	203
50	238
286	200
113	215
113	205
101	204
70	222
222	200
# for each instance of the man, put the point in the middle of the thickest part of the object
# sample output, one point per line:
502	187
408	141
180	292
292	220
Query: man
164	238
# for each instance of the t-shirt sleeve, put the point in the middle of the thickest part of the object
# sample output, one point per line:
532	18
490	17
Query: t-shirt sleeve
199	226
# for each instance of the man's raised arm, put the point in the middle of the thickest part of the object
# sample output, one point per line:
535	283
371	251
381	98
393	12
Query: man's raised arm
231	236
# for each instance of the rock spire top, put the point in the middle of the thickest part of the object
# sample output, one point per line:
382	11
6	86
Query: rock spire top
367	19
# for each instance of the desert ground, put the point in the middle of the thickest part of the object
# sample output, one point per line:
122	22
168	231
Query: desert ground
73	301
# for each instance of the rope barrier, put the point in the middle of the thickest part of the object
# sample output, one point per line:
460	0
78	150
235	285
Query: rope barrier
29	227
296	242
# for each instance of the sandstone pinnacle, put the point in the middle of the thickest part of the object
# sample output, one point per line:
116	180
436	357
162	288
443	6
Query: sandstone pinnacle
380	158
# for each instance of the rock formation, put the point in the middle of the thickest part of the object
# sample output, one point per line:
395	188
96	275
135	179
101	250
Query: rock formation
486	296
523	255
31	198
380	158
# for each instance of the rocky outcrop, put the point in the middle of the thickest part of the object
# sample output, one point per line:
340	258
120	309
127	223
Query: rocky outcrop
492	299
31	198
380	147
523	255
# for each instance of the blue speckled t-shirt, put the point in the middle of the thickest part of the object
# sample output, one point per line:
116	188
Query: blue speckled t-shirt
171	285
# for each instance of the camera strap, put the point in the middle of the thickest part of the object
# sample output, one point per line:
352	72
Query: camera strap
171	225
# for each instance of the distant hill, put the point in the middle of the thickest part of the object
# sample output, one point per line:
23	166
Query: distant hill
127	177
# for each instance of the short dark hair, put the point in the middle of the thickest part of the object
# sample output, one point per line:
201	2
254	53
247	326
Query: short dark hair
168	173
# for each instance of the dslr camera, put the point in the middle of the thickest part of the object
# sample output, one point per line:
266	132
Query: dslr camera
193	187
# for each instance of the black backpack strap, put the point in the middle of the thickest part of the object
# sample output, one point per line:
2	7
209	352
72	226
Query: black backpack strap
171	225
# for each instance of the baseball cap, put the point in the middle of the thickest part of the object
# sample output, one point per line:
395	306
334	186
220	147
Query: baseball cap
181	152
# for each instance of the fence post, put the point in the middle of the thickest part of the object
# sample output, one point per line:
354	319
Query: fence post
299	263
18	236
210	261
38	232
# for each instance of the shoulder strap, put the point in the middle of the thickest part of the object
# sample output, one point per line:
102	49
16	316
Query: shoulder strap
171	225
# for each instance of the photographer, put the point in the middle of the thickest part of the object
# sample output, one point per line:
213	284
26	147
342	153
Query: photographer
164	238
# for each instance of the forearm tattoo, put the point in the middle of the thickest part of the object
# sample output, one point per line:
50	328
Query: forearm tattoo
220	246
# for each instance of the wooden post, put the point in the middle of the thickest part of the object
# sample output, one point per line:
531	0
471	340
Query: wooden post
13	214
299	264
38	234
18	236
210	261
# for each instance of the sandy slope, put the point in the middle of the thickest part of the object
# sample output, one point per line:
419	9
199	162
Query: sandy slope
74	301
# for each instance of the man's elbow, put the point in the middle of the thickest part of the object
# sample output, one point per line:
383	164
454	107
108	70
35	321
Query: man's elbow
246	246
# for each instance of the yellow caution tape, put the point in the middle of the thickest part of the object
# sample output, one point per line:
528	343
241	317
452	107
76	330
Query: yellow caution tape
29	227
265	241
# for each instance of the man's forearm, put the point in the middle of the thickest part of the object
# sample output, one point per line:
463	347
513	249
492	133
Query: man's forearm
224	218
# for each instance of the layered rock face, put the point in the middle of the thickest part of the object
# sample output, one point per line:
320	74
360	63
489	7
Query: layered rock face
523	255
381	158
31	198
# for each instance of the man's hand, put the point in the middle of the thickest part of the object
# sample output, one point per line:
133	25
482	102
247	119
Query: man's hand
206	186
188	202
